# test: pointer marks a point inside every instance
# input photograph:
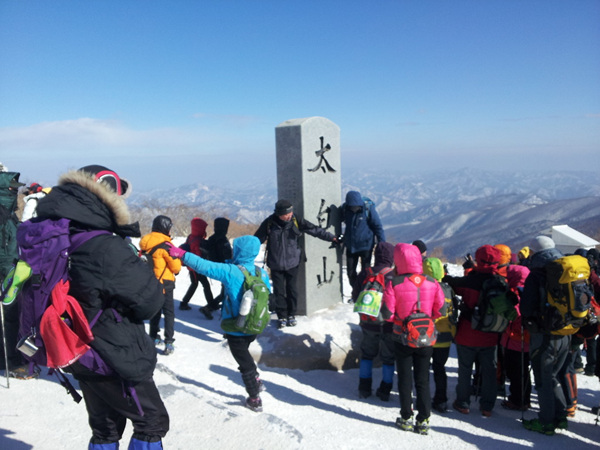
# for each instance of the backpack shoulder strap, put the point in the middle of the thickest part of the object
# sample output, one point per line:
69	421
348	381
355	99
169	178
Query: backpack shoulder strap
80	238
244	271
164	246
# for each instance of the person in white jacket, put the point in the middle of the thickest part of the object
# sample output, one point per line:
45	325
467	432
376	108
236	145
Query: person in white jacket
33	194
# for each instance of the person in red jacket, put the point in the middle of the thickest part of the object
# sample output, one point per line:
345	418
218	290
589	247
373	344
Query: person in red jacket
474	346
400	300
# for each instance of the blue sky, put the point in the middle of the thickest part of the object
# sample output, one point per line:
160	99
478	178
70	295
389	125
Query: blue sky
176	92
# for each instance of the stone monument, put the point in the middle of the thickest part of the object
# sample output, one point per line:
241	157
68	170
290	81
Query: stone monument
309	175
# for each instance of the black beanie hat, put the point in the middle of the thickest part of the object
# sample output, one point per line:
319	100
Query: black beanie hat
420	245
283	207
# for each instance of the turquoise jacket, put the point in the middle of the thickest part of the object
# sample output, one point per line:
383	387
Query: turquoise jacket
245	251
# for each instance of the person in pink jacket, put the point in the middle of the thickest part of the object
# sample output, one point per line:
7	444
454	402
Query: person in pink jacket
400	300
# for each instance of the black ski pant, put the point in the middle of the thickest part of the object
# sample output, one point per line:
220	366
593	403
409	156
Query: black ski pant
285	289
516	365
196	278
438	364
239	347
548	355
413	362
168	309
108	410
352	263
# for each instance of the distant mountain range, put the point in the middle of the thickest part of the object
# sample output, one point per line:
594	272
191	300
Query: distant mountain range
455	211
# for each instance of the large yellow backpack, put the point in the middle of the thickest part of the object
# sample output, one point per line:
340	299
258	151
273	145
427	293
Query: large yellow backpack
569	295
449	312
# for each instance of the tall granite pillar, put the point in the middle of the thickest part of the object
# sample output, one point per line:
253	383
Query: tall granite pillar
309	175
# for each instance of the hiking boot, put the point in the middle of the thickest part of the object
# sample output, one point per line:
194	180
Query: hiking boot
405	424
507	404
254	403
486	413
460	409
184	307
561	424
291	321
169	349
536	425
158	341
22	373
281	323
441	407
261	385
383	391
364	387
207	312
422	427
571	411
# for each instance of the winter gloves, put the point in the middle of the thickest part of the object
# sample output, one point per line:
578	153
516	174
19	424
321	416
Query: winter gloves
175	252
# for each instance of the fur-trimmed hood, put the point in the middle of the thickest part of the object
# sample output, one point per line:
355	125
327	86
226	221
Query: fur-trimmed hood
102	190
92	204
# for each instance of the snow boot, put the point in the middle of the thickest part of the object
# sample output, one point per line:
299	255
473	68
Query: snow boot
364	387
383	392
422	427
405	424
254	403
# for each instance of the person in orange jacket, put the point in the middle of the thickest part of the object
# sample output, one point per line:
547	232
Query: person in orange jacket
154	245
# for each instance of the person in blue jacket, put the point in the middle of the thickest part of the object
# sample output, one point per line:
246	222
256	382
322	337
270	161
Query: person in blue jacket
245	251
362	226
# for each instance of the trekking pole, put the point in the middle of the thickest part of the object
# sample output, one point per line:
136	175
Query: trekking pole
522	405
4	343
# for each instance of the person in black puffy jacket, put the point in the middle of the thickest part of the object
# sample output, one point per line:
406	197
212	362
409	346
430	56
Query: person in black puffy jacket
107	278
282	230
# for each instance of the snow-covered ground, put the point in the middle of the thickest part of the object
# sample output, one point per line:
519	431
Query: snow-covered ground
319	409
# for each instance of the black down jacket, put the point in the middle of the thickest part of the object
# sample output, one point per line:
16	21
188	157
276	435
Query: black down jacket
106	275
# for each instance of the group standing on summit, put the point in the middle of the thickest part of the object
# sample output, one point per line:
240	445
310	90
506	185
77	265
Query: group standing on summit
505	313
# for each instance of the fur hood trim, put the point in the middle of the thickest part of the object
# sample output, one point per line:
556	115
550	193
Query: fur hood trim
102	190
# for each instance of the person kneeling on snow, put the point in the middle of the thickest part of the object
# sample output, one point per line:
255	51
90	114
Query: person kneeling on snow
245	251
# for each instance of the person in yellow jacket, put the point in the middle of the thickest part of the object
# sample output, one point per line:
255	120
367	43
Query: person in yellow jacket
446	328
154	247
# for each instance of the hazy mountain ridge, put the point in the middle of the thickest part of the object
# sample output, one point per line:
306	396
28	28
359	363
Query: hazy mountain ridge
457	211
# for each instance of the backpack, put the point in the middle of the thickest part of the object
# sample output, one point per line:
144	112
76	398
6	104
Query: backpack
569	295
417	330
255	305
495	307
146	256
53	329
368	302
449	312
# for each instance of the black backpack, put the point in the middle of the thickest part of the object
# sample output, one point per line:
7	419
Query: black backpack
495	308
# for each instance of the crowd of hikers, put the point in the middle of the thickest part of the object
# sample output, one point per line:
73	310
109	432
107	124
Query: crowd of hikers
79	297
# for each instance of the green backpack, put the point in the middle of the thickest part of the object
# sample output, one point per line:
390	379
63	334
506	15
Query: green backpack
256	299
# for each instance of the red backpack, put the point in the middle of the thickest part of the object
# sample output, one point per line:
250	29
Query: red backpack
418	329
